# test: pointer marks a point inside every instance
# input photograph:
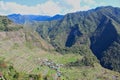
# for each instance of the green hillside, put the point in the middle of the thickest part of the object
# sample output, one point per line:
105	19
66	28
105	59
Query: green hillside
7	25
82	32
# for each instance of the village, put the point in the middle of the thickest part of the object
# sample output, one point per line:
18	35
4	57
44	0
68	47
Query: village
52	65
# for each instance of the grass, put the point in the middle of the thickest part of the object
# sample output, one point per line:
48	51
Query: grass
62	59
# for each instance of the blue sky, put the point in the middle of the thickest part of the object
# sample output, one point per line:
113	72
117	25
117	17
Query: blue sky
27	2
51	7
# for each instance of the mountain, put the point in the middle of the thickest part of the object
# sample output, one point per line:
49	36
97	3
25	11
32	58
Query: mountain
62	49
8	25
98	30
21	19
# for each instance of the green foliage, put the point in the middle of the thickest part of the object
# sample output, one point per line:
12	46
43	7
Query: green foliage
79	32
111	57
14	28
88	60
85	61
4	25
82	50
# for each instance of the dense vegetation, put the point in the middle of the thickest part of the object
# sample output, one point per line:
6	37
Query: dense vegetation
111	57
85	61
7	25
81	32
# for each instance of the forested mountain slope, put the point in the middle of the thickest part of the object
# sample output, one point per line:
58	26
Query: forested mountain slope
97	30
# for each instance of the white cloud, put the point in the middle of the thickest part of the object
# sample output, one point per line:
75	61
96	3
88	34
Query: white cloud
90	2
76	5
50	7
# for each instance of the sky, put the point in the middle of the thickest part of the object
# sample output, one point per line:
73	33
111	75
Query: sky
51	7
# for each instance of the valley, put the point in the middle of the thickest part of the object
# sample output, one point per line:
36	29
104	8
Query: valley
79	46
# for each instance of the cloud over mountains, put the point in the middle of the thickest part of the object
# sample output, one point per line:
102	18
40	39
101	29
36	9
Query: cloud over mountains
49	7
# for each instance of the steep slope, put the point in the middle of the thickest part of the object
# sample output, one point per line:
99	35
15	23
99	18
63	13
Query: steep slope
7	25
18	44
111	56
95	30
103	37
103	41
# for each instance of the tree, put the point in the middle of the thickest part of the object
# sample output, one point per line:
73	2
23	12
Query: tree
5	22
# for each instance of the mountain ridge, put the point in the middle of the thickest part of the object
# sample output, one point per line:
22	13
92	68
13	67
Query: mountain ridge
21	19
97	28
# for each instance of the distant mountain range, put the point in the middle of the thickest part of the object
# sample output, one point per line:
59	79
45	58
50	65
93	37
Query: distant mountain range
20	19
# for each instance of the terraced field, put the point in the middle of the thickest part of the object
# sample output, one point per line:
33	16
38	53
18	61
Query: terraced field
26	60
